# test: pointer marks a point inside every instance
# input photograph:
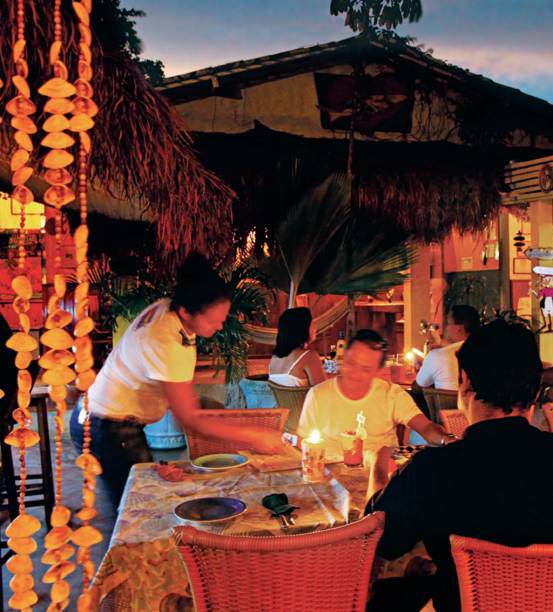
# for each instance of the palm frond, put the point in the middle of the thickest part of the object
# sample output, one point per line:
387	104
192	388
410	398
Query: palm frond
366	268
318	217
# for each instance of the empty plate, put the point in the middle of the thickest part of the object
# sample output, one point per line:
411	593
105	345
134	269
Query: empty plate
221	461
210	509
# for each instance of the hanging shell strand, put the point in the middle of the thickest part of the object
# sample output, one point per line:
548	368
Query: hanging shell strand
58	358
20	531
84	110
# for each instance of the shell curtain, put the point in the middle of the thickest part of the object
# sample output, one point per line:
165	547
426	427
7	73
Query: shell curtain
67	104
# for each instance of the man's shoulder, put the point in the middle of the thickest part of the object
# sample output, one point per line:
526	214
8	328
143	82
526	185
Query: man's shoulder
327	387
389	388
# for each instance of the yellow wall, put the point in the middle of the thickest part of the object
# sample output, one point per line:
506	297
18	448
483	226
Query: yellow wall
10	211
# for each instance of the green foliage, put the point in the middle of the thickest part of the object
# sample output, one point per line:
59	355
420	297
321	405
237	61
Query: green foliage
125	296
367	263
310	226
477	289
365	15
251	296
326	248
115	28
153	71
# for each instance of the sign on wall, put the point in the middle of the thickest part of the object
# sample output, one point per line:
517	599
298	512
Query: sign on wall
385	102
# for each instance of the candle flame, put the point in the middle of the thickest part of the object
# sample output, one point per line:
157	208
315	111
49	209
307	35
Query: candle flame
409	356
314	437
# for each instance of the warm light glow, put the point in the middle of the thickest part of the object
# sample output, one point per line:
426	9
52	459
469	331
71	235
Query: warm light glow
410	356
418	353
10	214
314	437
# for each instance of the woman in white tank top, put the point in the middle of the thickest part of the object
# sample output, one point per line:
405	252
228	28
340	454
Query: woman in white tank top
293	364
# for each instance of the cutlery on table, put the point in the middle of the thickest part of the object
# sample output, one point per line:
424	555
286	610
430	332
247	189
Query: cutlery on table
278	504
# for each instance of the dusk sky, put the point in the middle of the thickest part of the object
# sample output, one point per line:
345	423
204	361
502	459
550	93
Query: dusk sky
509	41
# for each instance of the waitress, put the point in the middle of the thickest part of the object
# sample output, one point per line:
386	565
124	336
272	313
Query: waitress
152	368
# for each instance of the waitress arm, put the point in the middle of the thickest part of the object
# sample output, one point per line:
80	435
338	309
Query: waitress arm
184	404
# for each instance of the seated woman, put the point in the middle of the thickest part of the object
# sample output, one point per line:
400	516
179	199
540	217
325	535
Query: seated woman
292	363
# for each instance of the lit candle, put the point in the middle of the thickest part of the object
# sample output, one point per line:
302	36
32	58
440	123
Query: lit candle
313	457
361	432
410	357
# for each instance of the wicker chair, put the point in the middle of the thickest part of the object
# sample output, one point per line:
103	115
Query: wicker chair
495	577
291	398
271	418
439	399
454	422
327	571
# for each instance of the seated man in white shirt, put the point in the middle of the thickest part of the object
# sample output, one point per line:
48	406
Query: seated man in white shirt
440	368
332	406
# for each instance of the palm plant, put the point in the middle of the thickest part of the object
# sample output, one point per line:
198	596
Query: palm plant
325	248
250	299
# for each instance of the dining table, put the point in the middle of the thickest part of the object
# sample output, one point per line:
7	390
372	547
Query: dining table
143	570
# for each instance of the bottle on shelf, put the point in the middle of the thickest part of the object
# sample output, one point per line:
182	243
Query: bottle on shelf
340	346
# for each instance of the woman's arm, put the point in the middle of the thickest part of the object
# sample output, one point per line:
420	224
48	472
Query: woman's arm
184	405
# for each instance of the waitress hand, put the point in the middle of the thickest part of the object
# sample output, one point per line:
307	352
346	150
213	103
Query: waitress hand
269	442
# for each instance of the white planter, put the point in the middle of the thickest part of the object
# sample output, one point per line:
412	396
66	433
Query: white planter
165	433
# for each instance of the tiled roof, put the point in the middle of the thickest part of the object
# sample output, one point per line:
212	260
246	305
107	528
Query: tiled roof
227	79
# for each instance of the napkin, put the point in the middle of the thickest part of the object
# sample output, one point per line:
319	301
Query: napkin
288	460
171	472
278	504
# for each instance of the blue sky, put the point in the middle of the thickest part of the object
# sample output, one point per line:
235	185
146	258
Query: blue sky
510	41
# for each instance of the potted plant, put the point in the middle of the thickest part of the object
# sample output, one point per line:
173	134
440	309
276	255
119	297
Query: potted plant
250	299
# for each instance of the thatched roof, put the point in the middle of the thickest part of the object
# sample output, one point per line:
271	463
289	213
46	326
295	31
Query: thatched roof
142	157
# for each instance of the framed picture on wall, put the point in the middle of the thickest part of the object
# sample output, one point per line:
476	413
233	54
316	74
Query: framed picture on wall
522	265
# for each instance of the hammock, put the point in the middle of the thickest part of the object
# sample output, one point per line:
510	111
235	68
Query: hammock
267	335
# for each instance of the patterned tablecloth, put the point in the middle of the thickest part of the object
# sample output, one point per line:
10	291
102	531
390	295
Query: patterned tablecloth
143	570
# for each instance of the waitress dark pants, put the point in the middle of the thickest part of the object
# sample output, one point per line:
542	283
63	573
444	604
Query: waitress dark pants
118	445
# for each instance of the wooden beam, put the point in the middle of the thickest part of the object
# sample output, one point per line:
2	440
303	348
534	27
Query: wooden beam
532	162
508	201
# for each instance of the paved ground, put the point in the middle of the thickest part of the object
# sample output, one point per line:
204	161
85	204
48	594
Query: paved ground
72	498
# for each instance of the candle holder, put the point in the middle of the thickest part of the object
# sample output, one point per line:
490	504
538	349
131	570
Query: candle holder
352	447
312	458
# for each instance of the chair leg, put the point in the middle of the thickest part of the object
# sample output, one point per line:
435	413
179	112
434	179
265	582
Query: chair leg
45	460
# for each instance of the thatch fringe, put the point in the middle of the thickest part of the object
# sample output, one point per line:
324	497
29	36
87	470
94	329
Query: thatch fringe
422	190
428	204
141	150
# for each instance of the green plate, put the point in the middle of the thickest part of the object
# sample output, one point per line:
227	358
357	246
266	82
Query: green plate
219	462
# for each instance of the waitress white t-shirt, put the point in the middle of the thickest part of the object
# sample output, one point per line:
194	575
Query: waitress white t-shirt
154	349
327	409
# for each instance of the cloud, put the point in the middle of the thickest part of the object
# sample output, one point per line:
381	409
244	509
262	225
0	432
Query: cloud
499	62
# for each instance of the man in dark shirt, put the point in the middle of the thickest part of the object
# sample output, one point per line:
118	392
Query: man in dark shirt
494	484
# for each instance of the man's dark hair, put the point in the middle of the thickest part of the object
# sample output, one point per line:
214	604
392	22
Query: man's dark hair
198	285
293	330
372	339
467	316
503	365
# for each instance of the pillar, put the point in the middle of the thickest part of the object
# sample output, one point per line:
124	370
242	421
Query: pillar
416	297
541	219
